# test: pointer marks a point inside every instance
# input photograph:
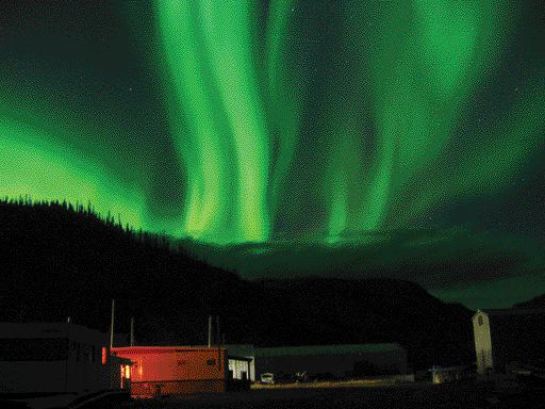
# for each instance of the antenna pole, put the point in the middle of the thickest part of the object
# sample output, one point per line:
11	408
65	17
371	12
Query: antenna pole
209	331
132	331
218	334
112	319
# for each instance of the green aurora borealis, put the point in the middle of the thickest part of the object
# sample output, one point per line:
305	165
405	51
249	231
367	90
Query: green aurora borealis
231	122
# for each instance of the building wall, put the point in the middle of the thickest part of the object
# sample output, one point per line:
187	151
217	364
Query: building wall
29	377
175	370
53	358
338	363
483	343
178	387
56	377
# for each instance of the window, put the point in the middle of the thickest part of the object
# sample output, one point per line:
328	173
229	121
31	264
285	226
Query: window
480	320
211	362
87	353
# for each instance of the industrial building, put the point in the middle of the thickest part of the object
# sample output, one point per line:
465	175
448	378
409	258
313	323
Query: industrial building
340	361
58	358
173	370
509	337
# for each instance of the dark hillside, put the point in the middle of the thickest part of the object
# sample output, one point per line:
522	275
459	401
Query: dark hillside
372	310
535	303
58	261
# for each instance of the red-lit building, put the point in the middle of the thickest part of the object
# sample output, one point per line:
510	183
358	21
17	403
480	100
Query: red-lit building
173	370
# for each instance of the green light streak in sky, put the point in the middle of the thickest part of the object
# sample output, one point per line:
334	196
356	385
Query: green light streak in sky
198	140
421	74
516	137
34	168
225	144
298	117
226	28
283	102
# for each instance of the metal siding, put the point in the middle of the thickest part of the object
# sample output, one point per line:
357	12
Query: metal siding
175	370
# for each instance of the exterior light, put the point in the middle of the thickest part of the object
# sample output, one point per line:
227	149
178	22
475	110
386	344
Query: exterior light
104	355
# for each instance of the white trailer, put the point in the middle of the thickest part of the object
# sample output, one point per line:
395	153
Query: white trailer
58	358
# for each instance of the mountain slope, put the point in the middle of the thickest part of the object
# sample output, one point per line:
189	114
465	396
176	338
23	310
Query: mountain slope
58	261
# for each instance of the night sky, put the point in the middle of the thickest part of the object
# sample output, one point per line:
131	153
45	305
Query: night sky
338	138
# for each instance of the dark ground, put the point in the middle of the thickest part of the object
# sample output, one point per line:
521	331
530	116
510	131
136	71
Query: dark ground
417	396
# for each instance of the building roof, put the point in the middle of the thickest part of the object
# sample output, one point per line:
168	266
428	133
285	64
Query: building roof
239	358
340	349
51	330
161	349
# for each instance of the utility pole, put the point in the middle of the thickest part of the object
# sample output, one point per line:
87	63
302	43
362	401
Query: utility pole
132	332
218	341
209	331
112	319
218	333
